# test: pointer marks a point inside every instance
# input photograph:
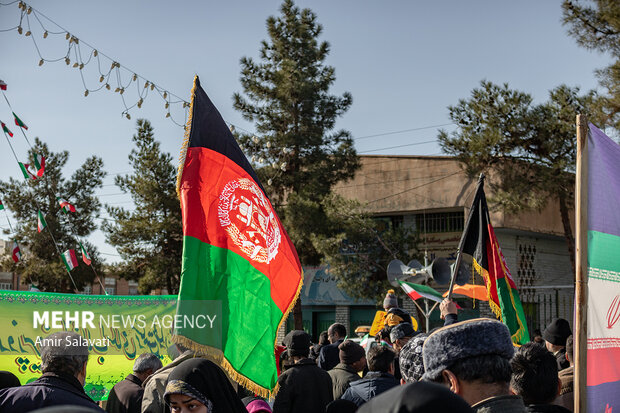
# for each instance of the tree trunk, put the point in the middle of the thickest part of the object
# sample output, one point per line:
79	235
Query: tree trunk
297	316
568	232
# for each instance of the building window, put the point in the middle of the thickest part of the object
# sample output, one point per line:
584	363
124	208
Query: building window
109	290
87	290
6	286
133	287
110	281
441	222
526	271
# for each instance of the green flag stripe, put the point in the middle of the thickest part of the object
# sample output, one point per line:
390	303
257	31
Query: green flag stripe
512	311
603	251
249	314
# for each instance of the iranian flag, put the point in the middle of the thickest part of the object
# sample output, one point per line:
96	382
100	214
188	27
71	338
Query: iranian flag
416	291
65	205
235	251
2	85
70	260
17	254
19	122
39	163
41	224
85	256
25	167
1	206
6	129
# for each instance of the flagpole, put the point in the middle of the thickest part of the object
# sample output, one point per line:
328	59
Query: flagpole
459	253
581	265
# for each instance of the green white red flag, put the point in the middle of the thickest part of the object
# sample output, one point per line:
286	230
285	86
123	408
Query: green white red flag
25	167
6	129
85	256
2	85
417	291
19	122
39	163
235	251
1	206
41	224
65	205
16	253
70	260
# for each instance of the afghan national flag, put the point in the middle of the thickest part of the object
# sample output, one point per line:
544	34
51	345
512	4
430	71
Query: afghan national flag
2	85
65	205
41	224
17	254
85	256
26	171
39	163
19	122
480	242
235	251
6	129
70	260
415	291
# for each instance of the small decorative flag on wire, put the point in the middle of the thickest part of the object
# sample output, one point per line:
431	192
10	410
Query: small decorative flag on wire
70	260
41	224
25	167
39	163
85	256
2	85
65	205
19	122
17	254
1	206
6	129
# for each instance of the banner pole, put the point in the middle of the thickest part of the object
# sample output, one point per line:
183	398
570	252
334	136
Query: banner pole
581	265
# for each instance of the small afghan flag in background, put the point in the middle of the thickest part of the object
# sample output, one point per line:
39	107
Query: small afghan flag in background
70	260
25	167
16	254
19	122
39	163
65	205
235	251
481	243
85	256
41	224
416	291
6	129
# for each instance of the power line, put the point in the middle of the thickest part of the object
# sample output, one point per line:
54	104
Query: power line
398	146
411	189
402	131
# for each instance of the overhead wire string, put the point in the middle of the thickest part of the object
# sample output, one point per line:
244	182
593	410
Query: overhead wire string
397	146
403	131
415	187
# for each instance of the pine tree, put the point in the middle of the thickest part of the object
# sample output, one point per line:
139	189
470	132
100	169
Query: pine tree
148	238
297	154
530	148
598	28
41	263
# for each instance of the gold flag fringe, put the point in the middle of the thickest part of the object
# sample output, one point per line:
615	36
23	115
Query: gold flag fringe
290	307
185	144
494	307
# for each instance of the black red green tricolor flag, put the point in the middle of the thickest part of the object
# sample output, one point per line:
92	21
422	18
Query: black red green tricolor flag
481	243
235	250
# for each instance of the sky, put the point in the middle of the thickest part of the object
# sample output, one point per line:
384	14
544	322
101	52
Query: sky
404	62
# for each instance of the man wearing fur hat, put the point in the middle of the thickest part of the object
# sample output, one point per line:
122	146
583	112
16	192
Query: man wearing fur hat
304	387
352	361
472	358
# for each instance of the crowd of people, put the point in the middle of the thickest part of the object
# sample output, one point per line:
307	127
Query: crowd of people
467	366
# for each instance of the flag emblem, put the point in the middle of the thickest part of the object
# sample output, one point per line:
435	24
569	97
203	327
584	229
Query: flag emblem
249	220
41	224
70	260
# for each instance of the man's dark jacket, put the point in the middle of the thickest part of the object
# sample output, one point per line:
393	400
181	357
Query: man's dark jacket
303	388
373	384
342	375
48	390
126	396
546	408
329	356
560	357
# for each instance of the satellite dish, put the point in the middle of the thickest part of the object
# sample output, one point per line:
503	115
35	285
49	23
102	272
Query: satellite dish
463	275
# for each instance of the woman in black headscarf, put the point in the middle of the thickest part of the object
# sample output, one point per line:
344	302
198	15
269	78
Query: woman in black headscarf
199	386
